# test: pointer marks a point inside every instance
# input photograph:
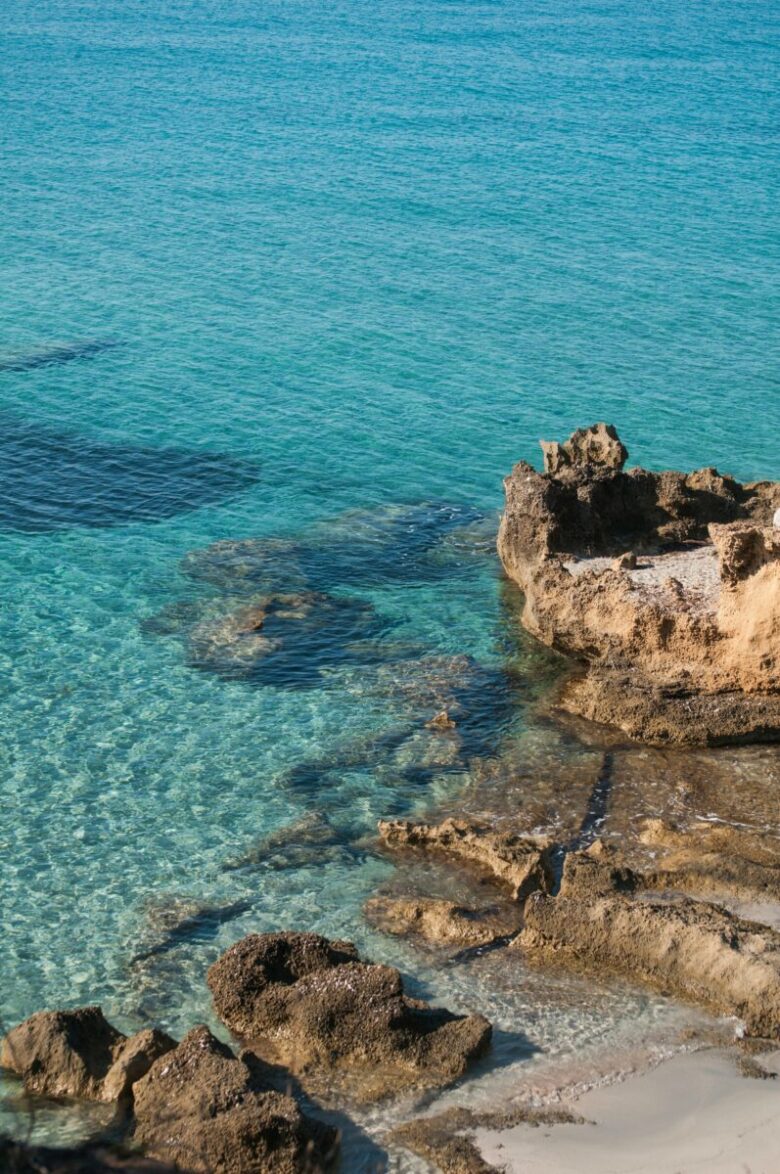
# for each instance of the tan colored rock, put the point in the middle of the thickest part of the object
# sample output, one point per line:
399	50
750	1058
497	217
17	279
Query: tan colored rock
210	1112
685	645
441	721
711	859
520	862
79	1054
596	448
687	948
440	922
313	1005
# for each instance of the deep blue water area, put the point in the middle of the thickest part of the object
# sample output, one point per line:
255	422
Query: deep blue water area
286	289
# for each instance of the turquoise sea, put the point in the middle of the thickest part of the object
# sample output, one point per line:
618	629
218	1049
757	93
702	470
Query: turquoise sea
317	275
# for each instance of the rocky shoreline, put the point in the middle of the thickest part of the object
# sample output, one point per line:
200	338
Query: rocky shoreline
664	590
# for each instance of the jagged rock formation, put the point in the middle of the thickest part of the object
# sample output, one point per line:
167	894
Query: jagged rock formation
314	1006
664	587
208	1111
79	1054
688	948
519	862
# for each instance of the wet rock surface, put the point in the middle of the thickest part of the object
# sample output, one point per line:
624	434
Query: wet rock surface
440	922
604	921
207	1110
680	642
519	861
314	1006
79	1054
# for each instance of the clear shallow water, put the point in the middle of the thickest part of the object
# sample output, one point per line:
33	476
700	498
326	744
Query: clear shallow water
348	257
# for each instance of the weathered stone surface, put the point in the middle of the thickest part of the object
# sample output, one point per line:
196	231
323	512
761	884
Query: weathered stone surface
519	861
79	1054
313	1005
596	448
684	644
687	948
208	1111
440	922
714	859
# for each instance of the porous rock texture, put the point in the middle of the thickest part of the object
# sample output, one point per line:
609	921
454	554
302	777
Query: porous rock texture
443	923
79	1054
312	1005
517	861
208	1111
663	587
603	921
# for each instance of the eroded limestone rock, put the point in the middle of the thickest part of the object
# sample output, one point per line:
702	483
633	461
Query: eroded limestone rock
443	923
79	1054
714	859
209	1111
683	646
599	923
314	1006
518	861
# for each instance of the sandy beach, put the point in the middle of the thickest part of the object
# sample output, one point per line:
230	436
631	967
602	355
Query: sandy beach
693	1113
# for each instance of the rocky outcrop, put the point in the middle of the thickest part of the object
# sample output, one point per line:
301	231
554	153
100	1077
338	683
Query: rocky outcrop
519	862
598	923
440	922
206	1110
663	587
314	1006
79	1054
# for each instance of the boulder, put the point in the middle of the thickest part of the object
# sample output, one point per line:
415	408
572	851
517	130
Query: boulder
206	1110
79	1054
314	1006
443	923
520	862
683	947
662	588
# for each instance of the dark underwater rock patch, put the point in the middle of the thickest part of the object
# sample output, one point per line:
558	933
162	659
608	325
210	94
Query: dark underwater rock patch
360	548
53	479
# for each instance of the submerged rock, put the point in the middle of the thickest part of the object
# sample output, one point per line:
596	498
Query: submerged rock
441	922
79	1054
683	646
208	1111
519	861
599	923
313	1005
393	543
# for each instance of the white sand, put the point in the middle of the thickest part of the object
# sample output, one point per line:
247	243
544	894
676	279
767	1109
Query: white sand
696	570
693	1114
